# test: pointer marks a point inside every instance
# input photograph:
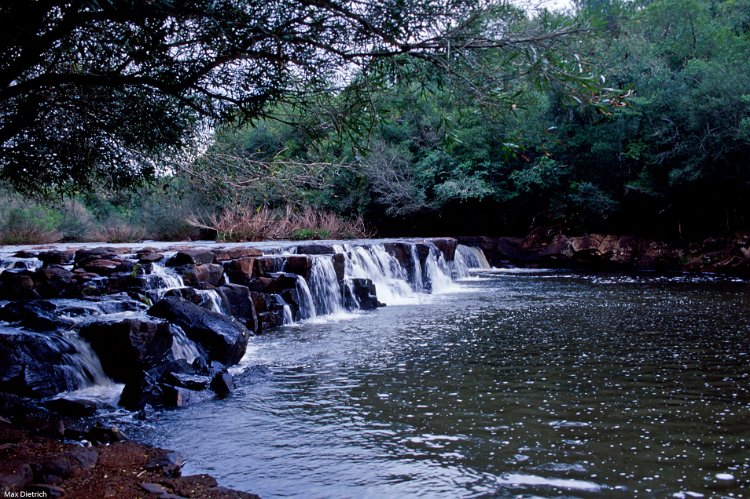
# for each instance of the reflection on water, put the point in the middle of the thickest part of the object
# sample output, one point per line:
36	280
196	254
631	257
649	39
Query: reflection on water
532	384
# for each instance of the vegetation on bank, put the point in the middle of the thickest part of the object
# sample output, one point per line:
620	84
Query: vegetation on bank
634	118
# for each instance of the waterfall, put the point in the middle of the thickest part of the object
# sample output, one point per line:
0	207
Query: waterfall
165	280
288	318
466	258
417	279
324	287
182	346
306	301
390	279
83	366
438	272
211	298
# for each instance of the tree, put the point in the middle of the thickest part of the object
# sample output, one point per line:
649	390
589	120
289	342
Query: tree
106	91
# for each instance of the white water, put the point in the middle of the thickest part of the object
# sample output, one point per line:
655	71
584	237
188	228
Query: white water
167	279
466	258
211	298
182	346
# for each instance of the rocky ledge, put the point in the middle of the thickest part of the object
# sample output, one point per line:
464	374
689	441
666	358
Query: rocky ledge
727	255
38	459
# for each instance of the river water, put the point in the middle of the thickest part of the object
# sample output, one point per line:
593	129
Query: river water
512	383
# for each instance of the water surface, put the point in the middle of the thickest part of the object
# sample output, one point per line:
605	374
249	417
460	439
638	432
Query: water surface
532	384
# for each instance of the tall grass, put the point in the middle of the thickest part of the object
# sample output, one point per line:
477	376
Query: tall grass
244	223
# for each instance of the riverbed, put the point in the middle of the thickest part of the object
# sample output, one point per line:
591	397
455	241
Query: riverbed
531	383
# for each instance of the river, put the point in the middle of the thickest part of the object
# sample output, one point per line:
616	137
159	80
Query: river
536	383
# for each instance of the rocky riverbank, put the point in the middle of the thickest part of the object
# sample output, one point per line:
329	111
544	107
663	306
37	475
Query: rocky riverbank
617	252
163	324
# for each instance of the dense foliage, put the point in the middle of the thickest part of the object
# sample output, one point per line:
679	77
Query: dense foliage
504	139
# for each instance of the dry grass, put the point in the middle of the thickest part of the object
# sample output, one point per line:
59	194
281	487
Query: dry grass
119	232
262	224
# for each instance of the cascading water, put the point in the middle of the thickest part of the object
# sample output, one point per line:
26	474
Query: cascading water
390	279
324	287
84	365
306	301
182	346
466	258
165	280
211	298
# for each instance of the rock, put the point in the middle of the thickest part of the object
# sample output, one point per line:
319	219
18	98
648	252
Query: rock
339	265
209	273
16	477
223	338
57	257
106	266
268	264
128	346
360	293
39	315
447	246
72	406
170	464
189	381
315	249
222	384
54	469
24	254
150	257
298	264
106	434
189	294
269	309
85	457
224	254
84	255
191	257
240	271
279	281
151	387
239	304
54	282
18	285
37	365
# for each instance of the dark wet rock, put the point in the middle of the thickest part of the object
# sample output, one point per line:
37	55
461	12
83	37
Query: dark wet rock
224	338
24	254
279	281
339	265
269	309
54	469
447	246
189	381
191	257
55	281
188	293
37	365
18	285
298	264
315	249
151	387
360	293
149	257
268	264
239	304
222	384
209	273
224	254
106	266
240	271
128	346
170	464
57	257
85	457
72	406
84	255
39	315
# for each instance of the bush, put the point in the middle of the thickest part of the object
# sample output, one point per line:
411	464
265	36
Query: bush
25	223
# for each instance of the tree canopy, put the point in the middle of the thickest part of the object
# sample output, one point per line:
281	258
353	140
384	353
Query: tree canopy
102	91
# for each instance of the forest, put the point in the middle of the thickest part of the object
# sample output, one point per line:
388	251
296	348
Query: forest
613	116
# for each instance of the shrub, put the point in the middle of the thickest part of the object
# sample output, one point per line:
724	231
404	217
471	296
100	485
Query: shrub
29	224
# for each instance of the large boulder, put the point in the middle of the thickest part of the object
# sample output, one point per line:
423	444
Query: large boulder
129	346
298	264
36	364
18	285
447	246
39	315
240	271
224	338
239	304
54	281
57	257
